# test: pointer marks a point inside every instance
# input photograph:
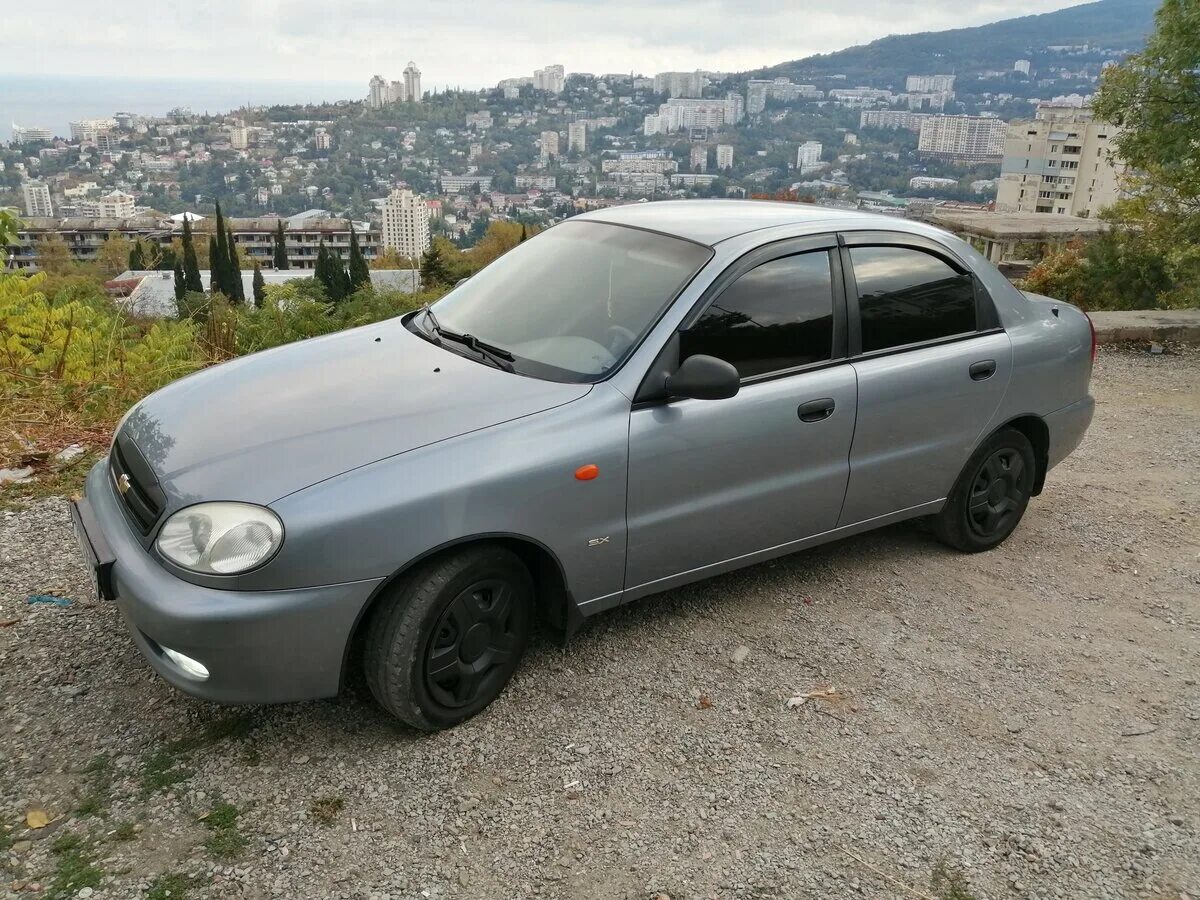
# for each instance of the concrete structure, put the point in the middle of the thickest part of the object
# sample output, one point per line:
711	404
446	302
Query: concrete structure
1147	326
377	92
117	205
89	129
29	133
757	92
808	155
927	182
698	158
455	184
929	84
551	79
891	118
1022	66
37	198
996	235
735	108
679	114
692	179
541	182
577	137
647	165
1063	162
549	145
239	137
412	82
322	139
724	156
964	139
681	84
406	223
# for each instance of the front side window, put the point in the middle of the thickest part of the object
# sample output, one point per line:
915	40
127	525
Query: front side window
906	296
776	316
571	303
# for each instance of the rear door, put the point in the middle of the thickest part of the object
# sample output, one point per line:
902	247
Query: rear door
932	363
714	480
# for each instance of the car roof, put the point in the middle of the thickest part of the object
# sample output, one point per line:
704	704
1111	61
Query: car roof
712	221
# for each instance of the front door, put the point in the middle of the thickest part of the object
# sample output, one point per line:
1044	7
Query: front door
714	480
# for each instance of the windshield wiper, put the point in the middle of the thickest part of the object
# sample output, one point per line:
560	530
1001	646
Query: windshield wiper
498	355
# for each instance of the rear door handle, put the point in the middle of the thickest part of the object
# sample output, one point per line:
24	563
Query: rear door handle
816	410
982	370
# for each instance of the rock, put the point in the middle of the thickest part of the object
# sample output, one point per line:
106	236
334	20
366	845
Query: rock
16	476
739	654
1156	348
84	893
69	453
21	847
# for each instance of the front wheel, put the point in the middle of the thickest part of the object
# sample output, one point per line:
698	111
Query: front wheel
445	641
991	494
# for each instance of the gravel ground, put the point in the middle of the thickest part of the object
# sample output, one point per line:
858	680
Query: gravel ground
1026	719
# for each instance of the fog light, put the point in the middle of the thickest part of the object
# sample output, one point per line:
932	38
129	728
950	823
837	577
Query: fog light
193	668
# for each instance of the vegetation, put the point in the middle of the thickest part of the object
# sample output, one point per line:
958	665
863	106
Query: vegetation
224	842
1151	258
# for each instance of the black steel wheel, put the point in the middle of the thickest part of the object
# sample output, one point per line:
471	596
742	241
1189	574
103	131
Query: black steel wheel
990	496
445	640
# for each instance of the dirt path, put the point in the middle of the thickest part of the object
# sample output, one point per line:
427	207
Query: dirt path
1028	718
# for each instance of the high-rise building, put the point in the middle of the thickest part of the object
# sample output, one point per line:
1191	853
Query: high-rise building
37	199
24	135
396	92
549	141
698	158
757	92
322	139
88	129
724	156
654	124
239	137
735	108
551	79
1022	66
808	155
929	84
412	82
377	92
681	84
406	223
965	139
891	118
1063	162
117	205
577	137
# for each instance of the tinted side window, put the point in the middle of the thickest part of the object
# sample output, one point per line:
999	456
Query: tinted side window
906	296
776	316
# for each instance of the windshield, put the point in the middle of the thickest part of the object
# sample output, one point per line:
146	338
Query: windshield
571	303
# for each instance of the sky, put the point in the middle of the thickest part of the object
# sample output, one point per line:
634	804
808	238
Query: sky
455	43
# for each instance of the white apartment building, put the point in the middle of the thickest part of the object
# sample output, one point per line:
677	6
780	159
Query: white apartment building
698	158
724	156
412	82
577	137
808	155
681	84
680	113
1022	66
654	124
930	183
396	92
929	84
693	179
965	139
549	143
1063	162
117	205
541	182
644	165
377	92
757	92
23	135
322	139
860	96
891	118
37	199
456	184
406	224
735	108
551	79
239	137
87	129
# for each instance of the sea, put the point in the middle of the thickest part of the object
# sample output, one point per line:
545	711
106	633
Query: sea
54	101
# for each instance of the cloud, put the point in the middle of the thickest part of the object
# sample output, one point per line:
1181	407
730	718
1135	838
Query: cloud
468	44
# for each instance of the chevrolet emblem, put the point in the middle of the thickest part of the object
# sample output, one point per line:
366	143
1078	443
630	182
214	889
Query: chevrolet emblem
123	484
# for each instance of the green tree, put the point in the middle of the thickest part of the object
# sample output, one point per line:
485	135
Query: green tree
234	270
54	256
434	271
280	253
9	225
260	287
137	262
220	273
191	268
216	266
180	281
360	273
113	255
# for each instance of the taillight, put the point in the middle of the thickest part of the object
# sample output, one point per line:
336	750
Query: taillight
1092	325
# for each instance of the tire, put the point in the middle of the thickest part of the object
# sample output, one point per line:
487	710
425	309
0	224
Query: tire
991	494
447	638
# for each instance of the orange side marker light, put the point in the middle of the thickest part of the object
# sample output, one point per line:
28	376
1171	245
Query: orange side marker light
588	472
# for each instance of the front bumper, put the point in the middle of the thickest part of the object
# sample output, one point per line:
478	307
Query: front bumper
258	646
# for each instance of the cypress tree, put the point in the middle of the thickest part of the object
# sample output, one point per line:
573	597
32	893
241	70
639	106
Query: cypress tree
360	273
180	282
216	271
191	268
321	268
524	234
234	272
281	259
433	268
219	262
137	259
260	287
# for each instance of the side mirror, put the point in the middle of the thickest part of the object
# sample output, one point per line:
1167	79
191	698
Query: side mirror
704	378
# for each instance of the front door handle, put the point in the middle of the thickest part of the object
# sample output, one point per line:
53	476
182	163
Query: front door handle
982	370
816	410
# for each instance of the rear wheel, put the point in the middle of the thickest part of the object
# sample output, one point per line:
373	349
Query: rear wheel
446	640
991	494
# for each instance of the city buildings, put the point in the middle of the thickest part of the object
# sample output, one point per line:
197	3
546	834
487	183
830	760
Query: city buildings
681	84
550	79
412	82
698	158
724	156
891	118
735	108
928	182
322	139
30	133
406	224
456	184
116	205
678	114
757	92
963	139
37	198
929	84
1062	162
860	96
808	156
88	129
377	92
1022	66
577	137
549	145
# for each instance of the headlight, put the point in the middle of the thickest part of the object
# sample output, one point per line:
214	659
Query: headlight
220	538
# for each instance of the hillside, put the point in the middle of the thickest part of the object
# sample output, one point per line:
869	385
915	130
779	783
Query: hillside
1112	24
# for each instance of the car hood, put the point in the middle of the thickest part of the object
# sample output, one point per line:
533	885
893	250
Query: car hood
269	424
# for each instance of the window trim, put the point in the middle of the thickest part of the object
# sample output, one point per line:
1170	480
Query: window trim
650	391
987	321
